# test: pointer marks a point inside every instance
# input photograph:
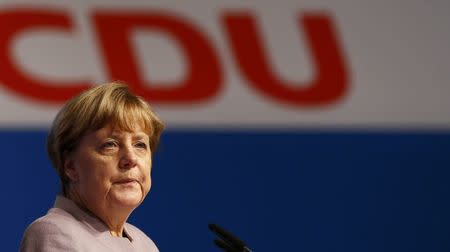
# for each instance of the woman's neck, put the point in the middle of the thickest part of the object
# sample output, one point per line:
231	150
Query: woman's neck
112	217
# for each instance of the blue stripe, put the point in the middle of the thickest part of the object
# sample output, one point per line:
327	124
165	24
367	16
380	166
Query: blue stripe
276	189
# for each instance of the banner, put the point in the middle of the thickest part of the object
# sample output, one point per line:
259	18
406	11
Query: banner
212	63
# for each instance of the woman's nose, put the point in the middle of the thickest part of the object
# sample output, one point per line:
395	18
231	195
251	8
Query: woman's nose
128	158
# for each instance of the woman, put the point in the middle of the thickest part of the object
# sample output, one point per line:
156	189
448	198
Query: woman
100	144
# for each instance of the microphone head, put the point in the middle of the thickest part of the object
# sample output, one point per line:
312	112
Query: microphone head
227	237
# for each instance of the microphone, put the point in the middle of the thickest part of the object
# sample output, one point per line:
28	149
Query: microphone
227	241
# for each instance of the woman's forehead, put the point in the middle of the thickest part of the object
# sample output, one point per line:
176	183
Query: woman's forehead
117	129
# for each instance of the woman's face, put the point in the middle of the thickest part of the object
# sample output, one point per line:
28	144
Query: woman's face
110	169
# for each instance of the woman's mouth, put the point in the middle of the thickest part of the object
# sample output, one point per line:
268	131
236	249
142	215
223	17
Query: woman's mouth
126	182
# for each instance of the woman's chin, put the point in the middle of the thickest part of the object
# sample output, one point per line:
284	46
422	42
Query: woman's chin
127	198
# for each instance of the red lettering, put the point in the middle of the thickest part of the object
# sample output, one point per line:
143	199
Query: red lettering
204	76
22	20
331	81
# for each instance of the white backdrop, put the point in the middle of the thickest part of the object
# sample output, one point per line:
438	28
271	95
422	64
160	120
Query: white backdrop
396	54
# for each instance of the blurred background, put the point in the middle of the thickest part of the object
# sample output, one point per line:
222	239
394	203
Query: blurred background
296	125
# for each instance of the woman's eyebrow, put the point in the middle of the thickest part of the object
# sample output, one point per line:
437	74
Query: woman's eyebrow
140	136
118	135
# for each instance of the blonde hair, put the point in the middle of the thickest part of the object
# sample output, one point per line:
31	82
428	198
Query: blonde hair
110	103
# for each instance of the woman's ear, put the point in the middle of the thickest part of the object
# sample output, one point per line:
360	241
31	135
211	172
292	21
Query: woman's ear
69	169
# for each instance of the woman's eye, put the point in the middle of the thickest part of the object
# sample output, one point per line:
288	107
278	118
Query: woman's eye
109	145
141	145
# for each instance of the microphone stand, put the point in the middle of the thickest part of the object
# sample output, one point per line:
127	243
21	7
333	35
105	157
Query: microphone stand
227	241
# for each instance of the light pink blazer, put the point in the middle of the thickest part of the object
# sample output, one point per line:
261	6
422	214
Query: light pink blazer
66	227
